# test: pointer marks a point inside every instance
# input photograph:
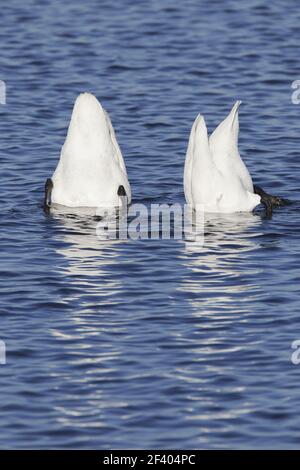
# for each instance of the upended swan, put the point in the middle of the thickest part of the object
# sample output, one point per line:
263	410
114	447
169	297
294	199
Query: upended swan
91	171
215	177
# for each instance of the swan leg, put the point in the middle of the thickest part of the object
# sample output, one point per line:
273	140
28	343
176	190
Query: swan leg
269	201
48	191
265	200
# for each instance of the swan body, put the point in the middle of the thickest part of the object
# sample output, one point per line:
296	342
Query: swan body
215	176
91	171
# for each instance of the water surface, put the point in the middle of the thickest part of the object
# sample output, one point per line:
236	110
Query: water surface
149	344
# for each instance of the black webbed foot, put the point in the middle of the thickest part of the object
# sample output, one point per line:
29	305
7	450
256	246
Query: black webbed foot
270	201
47	197
121	191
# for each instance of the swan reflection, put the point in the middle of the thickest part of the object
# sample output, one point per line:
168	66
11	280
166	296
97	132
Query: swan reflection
221	273
89	260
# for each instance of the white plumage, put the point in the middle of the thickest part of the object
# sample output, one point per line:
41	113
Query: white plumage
215	176
91	167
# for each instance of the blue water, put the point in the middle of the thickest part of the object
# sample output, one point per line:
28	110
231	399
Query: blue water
146	344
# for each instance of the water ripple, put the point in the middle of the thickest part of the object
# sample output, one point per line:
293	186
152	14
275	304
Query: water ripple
149	344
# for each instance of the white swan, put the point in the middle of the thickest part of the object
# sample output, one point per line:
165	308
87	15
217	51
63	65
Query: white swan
91	171
215	176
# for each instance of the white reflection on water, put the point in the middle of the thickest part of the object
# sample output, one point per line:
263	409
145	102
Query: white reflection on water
89	260
84	335
218	269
